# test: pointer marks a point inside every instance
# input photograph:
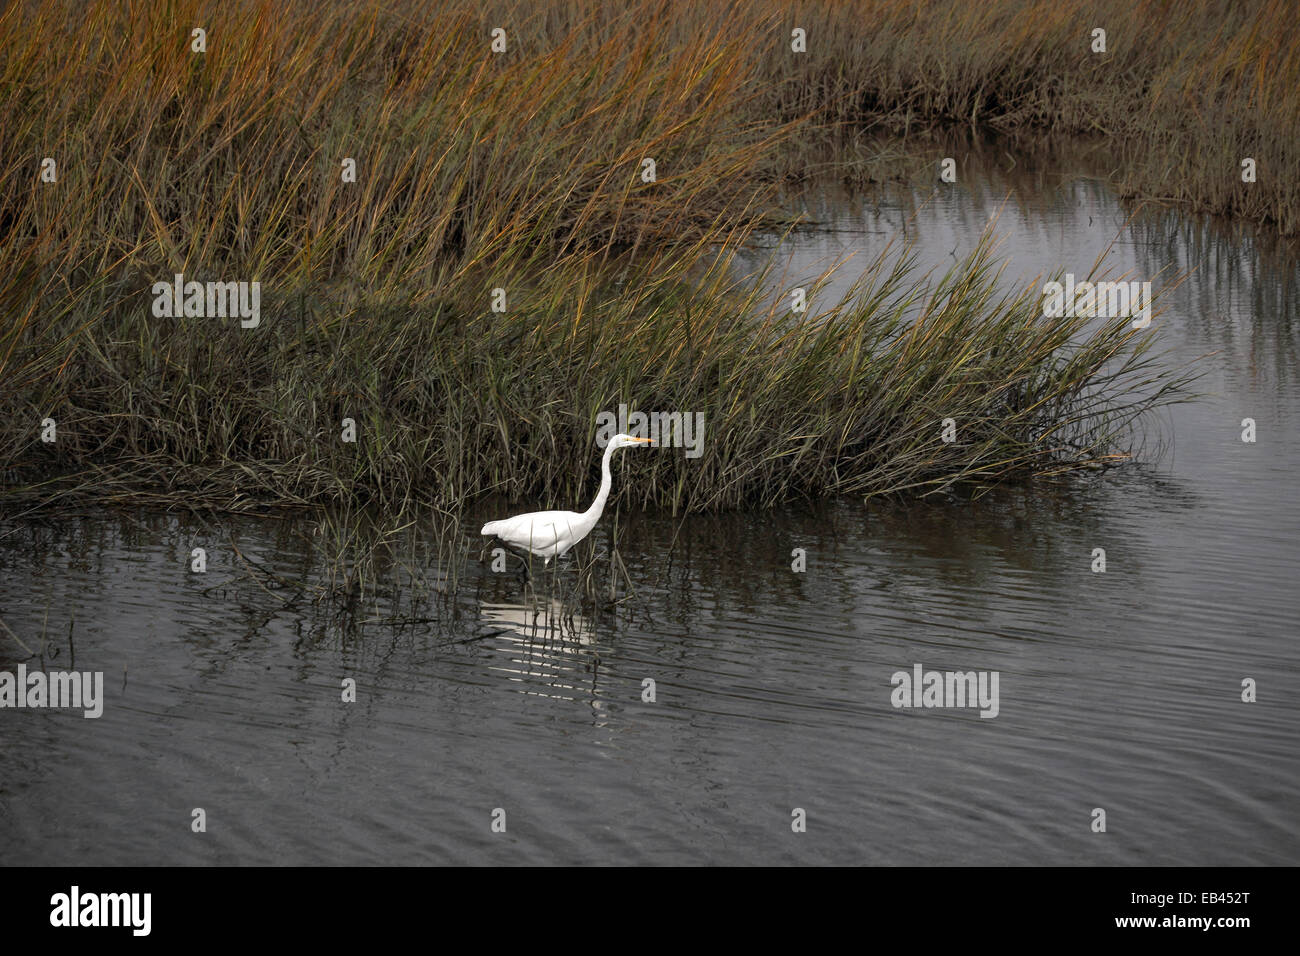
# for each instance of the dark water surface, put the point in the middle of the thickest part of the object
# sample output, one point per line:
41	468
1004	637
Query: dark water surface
1119	690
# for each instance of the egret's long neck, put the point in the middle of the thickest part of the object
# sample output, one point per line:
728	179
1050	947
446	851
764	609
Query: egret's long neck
592	514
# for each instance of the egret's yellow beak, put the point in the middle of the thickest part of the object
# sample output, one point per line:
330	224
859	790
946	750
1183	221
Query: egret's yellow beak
648	441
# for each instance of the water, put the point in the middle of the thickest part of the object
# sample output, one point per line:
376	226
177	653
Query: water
1119	690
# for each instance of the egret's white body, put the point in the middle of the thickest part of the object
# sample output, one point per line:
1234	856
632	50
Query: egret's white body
549	534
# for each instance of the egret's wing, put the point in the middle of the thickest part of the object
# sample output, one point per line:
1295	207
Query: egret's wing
537	532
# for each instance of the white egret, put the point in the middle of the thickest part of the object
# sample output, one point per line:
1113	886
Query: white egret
549	534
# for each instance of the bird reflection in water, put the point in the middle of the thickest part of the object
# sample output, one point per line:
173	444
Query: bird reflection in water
548	646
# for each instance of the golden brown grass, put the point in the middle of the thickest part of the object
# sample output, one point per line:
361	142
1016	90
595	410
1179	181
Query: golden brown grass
519	170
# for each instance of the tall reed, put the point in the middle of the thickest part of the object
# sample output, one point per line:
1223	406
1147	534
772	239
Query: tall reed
522	170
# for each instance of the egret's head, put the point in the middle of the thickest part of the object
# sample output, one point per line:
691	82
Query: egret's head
622	441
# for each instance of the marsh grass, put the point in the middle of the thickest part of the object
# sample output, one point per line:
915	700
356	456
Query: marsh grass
451	406
1183	93
519	171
